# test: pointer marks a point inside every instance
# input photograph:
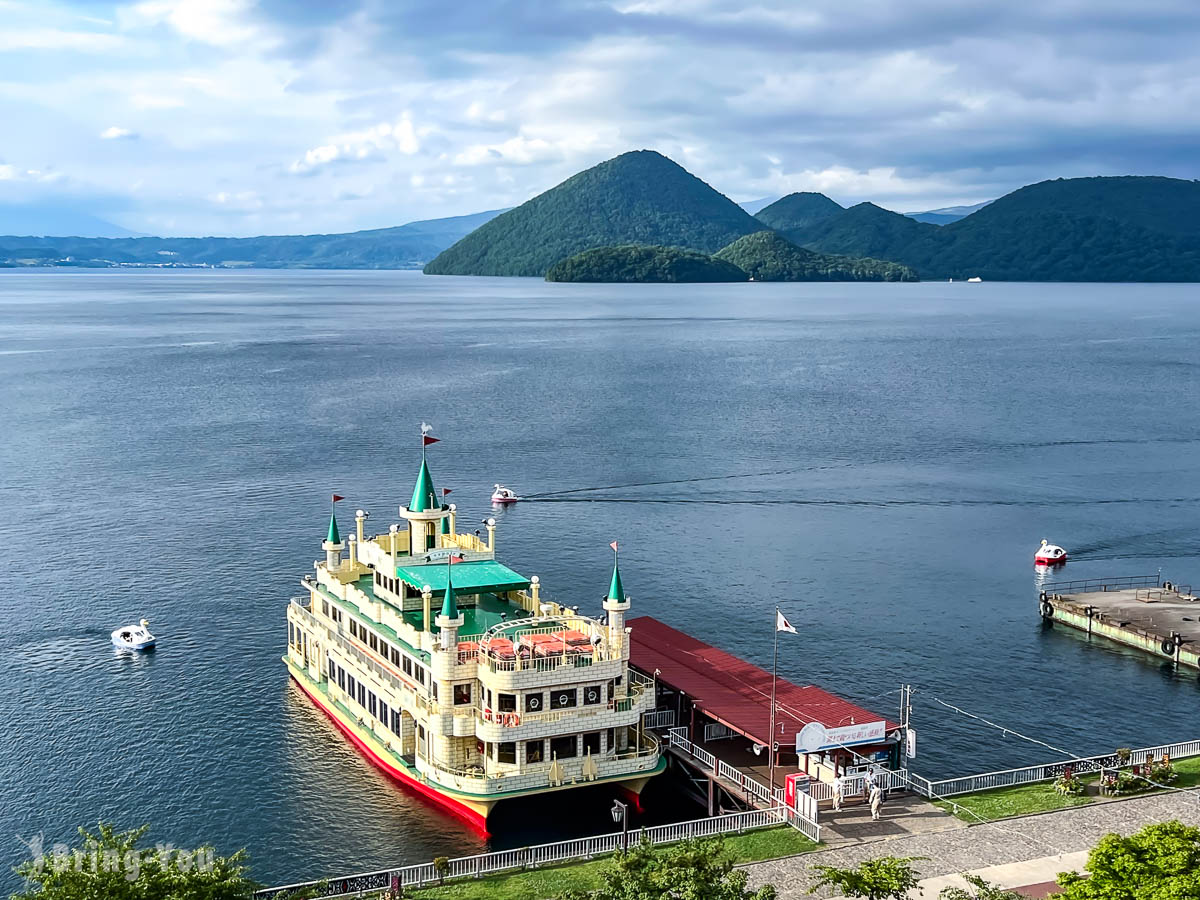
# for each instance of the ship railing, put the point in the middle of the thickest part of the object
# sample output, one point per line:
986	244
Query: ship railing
618	704
659	718
969	784
1099	585
345	645
465	542
538	855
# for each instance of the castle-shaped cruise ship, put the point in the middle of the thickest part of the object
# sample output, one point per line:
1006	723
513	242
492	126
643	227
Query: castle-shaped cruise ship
451	673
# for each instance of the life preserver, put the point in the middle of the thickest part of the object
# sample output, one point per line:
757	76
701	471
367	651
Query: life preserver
487	714
513	720
1047	611
1168	647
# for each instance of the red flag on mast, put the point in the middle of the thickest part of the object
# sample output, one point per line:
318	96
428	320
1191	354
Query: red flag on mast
337	497
446	491
429	440
614	546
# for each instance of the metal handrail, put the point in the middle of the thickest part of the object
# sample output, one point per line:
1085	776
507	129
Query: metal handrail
1089	585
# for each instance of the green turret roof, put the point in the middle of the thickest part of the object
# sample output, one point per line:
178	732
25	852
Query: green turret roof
334	537
449	607
424	496
446	525
616	590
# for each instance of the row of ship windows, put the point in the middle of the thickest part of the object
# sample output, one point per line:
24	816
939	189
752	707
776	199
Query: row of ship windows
399	659
566	747
390	717
560	698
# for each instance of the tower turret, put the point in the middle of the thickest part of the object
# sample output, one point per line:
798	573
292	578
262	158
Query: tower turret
449	620
425	513
616	604
332	544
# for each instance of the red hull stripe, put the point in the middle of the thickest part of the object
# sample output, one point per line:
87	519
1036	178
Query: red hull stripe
459	809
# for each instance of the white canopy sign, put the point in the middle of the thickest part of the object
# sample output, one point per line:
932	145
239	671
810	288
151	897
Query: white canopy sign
845	736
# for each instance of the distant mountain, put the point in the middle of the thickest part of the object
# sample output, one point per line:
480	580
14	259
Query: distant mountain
753	206
1124	228
792	214
643	264
42	219
402	247
639	197
946	214
767	256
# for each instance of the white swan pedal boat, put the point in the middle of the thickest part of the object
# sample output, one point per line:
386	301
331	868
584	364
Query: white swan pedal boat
504	495
134	637
1049	555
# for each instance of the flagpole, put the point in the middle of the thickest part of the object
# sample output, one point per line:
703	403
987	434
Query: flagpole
771	739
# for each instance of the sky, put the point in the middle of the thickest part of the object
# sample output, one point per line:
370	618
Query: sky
241	117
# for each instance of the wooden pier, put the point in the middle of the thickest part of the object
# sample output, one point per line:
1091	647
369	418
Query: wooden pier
1158	617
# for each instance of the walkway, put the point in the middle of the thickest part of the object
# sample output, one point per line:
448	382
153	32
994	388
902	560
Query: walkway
980	846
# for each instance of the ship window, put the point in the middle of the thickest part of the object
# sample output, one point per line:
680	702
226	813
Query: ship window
462	694
372	706
534	751
562	699
383	712
591	741
325	607
433	690
610	692
332	670
374	641
351	686
420	732
291	635
489	699
534	702
341	678
420	673
508	702
591	695
506	752
407	666
395	654
395	721
564	747
362	695
610	740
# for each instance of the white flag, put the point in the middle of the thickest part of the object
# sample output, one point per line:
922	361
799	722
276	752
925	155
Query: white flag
782	624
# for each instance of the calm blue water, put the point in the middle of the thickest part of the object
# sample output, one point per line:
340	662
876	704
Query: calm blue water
879	460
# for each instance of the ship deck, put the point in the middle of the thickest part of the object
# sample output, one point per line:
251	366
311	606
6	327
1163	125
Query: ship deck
1153	611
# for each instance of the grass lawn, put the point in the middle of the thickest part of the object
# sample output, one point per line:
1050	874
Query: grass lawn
1041	797
538	884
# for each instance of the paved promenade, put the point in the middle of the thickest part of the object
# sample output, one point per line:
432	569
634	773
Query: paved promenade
996	844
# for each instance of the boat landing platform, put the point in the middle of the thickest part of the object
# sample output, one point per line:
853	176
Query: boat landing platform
1155	616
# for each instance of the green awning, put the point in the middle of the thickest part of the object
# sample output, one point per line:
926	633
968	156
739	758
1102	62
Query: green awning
484	576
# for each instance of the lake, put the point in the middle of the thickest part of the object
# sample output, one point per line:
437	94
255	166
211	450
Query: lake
879	460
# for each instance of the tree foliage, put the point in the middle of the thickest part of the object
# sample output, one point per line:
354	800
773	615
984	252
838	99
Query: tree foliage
636	198
882	878
766	256
112	865
636	263
797	211
1128	228
1160	862
978	890
697	869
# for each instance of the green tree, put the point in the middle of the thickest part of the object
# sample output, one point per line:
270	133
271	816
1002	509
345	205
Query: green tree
111	865
690	870
981	890
1160	862
882	878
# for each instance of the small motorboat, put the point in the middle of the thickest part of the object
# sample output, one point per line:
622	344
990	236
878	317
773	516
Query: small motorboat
504	495
134	637
1049	555
974	279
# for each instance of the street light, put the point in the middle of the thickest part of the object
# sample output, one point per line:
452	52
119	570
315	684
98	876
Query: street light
620	813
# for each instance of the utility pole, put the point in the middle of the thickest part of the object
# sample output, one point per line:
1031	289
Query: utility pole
905	722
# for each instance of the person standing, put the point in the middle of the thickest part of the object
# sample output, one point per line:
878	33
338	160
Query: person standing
876	801
839	791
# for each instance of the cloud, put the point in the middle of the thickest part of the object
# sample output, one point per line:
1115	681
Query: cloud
912	104
115	133
358	146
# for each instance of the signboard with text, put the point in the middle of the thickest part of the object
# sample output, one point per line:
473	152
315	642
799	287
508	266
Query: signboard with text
849	735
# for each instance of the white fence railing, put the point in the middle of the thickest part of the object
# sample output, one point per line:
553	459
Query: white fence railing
717	732
659	718
969	784
544	854
803	820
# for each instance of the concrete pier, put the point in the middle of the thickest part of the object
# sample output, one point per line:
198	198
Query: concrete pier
1159	618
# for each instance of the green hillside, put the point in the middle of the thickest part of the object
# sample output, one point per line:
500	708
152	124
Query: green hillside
797	211
1126	228
766	256
643	264
636	198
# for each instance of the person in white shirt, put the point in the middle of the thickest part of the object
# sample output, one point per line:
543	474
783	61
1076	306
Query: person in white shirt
839	791
876	795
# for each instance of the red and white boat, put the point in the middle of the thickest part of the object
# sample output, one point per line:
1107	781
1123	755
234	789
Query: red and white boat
504	495
1049	555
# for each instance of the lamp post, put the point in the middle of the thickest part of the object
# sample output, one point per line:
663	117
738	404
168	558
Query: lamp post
620	813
